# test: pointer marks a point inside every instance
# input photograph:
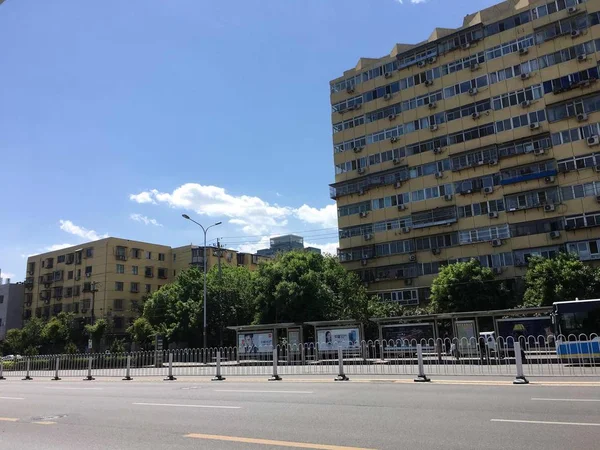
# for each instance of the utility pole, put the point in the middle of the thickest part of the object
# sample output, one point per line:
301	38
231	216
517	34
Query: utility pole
94	290
219	254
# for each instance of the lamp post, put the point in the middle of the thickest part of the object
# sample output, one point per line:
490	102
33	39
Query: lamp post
185	216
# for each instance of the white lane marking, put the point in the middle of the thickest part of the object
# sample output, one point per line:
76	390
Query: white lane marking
251	391
12	398
188	406
542	422
566	399
73	389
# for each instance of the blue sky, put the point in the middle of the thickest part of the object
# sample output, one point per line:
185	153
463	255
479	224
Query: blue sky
118	116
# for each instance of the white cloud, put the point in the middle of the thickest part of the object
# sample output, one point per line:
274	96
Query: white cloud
253	215
6	275
416	2
326	216
55	247
71	228
145	220
330	248
142	197
252	247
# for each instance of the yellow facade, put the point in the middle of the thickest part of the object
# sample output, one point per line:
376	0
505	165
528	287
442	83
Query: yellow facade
112	276
479	142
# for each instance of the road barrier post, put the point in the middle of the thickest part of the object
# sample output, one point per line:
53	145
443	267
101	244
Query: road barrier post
520	379
422	377
89	375
56	377
170	377
341	375
218	376
2	370
128	371
27	377
275	377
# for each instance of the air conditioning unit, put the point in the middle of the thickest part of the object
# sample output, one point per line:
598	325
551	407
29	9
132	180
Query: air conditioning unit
534	126
593	140
475	115
361	191
396	161
432	60
360	170
393	139
572	9
87	275
473	92
539	151
391	117
412	258
448	197
363	214
525	76
557	91
421	64
549	208
432	105
350	89
406	230
387	97
493	162
437	150
435	251
357	149
549	180
439	175
598	199
554	234
582	117
597	169
388	75
582	57
408	282
398	184
466	46
364	262
575	34
526	104
428	82
433	127
475	67
357	106
496	242
401	207
523	51
493	215
497	270
488	190
368	237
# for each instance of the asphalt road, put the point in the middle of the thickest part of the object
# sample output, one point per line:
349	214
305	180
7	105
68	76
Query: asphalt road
351	415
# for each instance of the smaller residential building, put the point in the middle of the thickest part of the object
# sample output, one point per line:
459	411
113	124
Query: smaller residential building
286	243
11	306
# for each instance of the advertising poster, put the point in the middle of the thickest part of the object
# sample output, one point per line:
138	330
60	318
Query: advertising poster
465	333
334	338
405	337
253	343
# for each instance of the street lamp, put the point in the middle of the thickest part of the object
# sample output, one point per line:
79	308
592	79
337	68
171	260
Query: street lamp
185	216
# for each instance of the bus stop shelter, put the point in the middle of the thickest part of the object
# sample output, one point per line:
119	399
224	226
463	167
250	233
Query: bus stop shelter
261	339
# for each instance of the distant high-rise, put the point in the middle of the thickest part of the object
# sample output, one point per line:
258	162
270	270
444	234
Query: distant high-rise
286	243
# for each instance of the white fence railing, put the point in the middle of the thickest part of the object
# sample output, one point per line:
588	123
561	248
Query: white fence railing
522	357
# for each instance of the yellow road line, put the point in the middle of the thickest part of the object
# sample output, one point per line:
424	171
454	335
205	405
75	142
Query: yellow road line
8	419
44	423
243	440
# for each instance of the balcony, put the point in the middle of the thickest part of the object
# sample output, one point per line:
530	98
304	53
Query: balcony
47	279
29	283
121	253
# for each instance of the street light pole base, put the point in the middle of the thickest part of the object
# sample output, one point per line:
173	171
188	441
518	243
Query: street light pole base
521	380
89	378
275	378
170	378
422	379
218	378
341	378
56	379
127	379
27	378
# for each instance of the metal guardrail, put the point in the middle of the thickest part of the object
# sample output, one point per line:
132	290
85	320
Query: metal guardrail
522	357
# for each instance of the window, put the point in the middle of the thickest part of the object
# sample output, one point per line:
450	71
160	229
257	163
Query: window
484	234
88	271
69	292
118	323
148	255
76	290
174	273
118	285
89	252
1	298
87	286
161	256
134	270
86	304
579	162
586	250
174	257
136	253
591	219
70	275
60	259
148	288
403	297
120	268
590	189
149	272
162	273
135	287
78	274
118	304
536	227
121	253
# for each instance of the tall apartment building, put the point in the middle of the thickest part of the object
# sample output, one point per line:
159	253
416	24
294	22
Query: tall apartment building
11	306
286	243
111	277
481	142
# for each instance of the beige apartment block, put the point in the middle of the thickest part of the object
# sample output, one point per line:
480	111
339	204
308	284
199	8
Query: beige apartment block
110	278
482	141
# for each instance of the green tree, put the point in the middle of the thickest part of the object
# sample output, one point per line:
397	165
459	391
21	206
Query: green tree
562	278
97	332
58	331
28	340
142	333
467	286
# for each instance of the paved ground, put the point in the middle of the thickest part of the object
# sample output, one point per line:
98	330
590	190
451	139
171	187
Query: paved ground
241	414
